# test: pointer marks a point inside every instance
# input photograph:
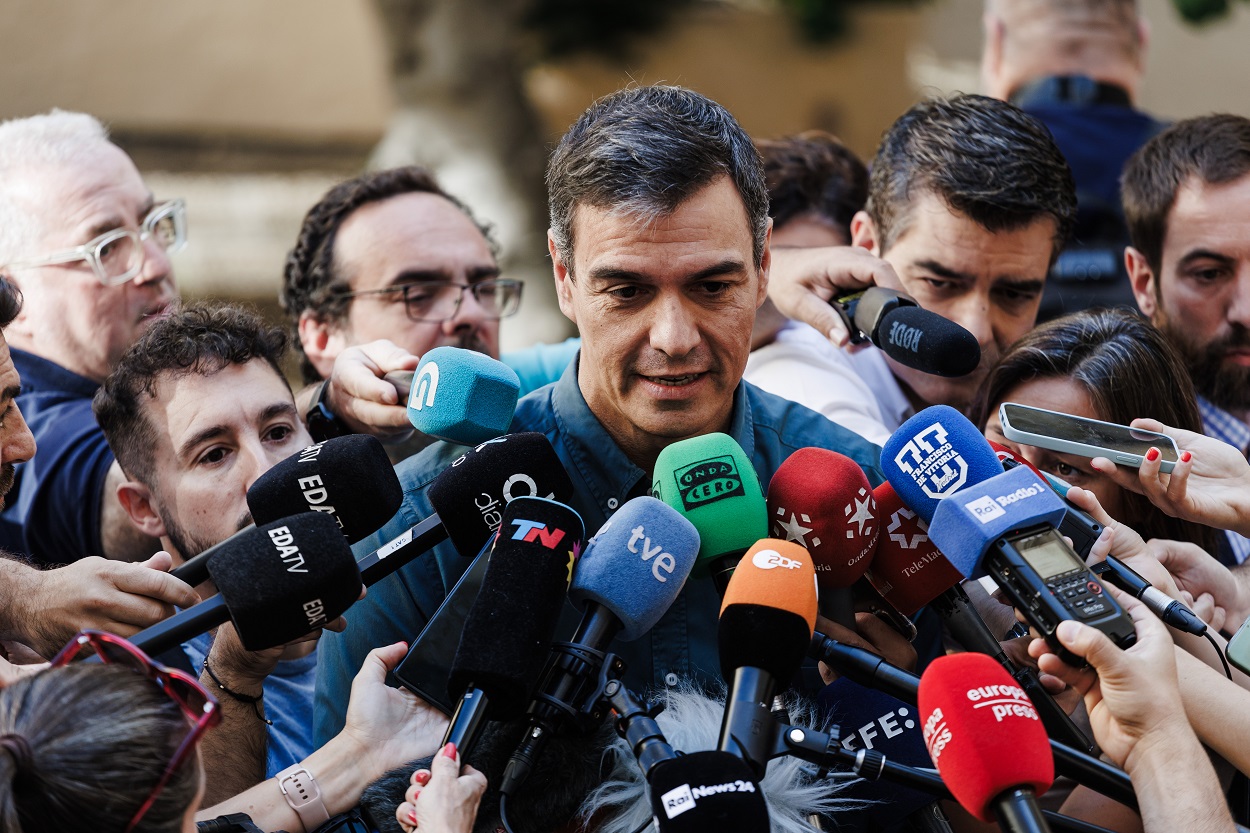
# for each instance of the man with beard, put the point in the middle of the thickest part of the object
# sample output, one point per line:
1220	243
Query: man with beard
198	409
1187	201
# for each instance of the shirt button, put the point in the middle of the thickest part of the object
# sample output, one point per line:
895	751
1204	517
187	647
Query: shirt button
670	679
612	503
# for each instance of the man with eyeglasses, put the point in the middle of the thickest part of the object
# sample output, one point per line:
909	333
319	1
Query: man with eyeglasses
386	267
88	245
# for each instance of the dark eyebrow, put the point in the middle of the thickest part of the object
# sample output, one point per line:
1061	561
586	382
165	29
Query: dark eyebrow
1205	254
1018	284
275	410
611	273
11	392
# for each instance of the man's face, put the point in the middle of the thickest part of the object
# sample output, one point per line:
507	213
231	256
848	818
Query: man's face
990	283
17	444
215	435
68	316
1201	297
665	310
410	239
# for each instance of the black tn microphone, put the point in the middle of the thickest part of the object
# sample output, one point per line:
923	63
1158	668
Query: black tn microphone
469	498
1123	577
710	790
508	632
631	573
868	669
276	582
348	478
909	334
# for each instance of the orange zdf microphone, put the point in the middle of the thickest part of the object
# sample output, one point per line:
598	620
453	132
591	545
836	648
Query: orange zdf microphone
986	740
766	623
822	501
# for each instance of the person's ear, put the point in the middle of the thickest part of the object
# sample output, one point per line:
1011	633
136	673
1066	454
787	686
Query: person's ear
136	498
563	274
321	340
766	262
864	233
1143	281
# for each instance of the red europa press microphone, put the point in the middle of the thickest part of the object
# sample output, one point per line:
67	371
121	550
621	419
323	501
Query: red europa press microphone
986	740
822	501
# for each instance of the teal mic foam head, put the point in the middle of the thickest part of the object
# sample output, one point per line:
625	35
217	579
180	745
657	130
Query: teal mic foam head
462	396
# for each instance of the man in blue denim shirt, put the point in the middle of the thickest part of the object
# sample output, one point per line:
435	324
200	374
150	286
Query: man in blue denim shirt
659	242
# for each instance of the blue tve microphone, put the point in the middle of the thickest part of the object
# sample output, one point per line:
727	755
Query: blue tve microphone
872	720
462	396
631	572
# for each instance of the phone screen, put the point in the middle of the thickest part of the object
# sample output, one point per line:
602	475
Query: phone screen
1088	431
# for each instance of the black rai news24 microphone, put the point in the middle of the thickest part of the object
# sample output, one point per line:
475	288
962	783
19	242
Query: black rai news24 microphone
348	478
469	499
508	632
276	582
633	569
910	335
710	790
766	623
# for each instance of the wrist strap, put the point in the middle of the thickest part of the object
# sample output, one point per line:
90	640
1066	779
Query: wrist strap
253	701
300	790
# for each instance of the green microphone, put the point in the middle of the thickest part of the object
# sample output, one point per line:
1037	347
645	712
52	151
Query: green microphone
711	481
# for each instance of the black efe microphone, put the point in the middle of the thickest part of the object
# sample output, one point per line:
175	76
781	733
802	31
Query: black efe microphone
509	629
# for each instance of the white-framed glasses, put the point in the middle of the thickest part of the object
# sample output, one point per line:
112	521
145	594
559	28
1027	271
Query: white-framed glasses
117	256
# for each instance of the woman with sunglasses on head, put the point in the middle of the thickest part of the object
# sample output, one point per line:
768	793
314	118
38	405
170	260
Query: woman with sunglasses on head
112	748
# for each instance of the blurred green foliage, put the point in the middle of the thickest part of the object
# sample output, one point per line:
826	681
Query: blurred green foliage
1202	11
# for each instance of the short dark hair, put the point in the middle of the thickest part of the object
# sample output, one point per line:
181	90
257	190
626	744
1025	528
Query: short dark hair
645	150
10	302
986	159
813	173
309	280
1216	149
201	338
1128	369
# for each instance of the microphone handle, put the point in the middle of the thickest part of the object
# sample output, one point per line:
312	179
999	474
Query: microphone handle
1017	812
180	627
401	550
194	571
748	729
967	626
467	721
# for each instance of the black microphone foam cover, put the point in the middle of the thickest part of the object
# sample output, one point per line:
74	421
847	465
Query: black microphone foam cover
470	494
764	637
348	478
507	634
286	578
928	342
708	791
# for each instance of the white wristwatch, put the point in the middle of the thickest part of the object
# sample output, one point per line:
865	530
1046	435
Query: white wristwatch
301	792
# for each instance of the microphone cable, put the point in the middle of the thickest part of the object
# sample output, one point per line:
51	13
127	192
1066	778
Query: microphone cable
1228	672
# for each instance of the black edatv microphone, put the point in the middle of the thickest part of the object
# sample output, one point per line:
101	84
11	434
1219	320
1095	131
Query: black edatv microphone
508	632
348	478
633	569
276	582
907	333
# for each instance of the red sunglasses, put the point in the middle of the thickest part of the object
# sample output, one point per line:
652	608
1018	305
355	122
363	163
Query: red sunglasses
196	703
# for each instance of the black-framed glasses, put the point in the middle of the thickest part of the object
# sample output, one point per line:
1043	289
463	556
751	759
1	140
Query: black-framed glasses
199	707
440	300
117	256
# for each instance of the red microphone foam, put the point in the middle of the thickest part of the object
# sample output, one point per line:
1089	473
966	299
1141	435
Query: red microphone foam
822	501
908	570
982	732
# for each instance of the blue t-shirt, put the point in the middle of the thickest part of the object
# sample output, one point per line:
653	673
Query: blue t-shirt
541	364
288	703
681	646
52	513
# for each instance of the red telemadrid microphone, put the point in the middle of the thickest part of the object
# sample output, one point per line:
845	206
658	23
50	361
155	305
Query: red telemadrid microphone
908	569
986	740
822	501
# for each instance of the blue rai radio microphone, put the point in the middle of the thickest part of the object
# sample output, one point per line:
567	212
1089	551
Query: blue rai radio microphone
933	456
508	632
462	396
633	569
